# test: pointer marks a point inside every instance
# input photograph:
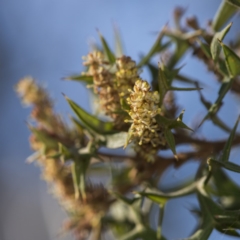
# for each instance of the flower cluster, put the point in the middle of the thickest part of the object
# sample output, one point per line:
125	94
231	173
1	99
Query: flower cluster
144	106
111	82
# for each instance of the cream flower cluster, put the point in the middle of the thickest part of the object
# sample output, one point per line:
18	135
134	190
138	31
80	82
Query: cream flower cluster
144	108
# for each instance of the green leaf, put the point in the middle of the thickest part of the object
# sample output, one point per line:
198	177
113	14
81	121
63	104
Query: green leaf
224	13
205	48
212	216
116	140
228	165
164	121
177	123
225	87
232	61
183	89
227	147
107	50
227	191
154	76
185	79
76	178
162	83
157	198
81	78
90	121
180	50
171	141
157	47
235	3
118	42
161	197
213	108
48	141
160	220
207	222
141	232
221	65
172	123
228	231
215	45
171	73
203	233
79	169
64	151
77	124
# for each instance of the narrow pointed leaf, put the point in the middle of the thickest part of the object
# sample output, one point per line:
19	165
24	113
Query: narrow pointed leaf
221	64
183	89
213	109
157	198
215	45
207	220
172	123
48	141
170	140
181	49
161	197
224	13
81	78
154	76
64	151
177	123
228	231
118	43
110	56
76	178
227	165
225	87
235	3
162	83
160	220
157	47
185	79
227	147
232	61
89	120
203	233
164	121
218	122
205	48
171	73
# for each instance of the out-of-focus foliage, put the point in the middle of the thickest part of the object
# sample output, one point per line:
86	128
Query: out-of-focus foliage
141	116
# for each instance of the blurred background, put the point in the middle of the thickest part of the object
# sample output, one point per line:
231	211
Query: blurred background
46	39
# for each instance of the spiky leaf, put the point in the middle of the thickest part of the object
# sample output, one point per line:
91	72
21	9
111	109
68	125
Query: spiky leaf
91	121
215	45
232	61
227	147
109	54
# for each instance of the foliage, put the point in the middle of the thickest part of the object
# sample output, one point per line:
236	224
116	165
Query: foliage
142	118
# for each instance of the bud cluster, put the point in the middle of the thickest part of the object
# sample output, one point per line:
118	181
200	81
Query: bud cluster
33	94
103	83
